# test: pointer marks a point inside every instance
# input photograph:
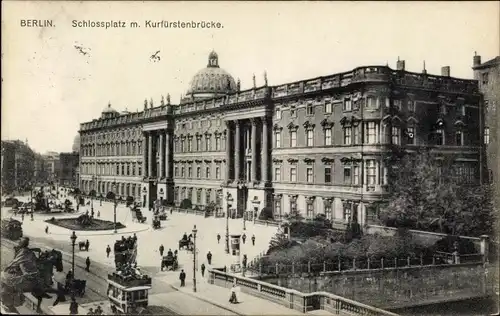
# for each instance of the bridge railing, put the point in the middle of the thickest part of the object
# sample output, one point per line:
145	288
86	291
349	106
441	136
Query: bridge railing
302	302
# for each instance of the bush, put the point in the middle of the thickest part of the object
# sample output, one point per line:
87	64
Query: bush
266	214
110	195
130	200
186	204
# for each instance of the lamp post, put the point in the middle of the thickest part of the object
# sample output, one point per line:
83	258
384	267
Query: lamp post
229	200
73	242
92	195
194	258
114	206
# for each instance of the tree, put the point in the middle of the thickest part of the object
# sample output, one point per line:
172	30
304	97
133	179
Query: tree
266	214
427	194
130	200
186	204
110	195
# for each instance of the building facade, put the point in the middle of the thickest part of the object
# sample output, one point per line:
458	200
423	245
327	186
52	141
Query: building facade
488	76
18	166
52	166
316	146
68	171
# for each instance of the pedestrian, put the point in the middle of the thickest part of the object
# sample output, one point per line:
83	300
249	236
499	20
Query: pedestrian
32	216
73	307
100	203
22	216
244	261
98	214
203	270
233	299
253	240
182	277
87	245
218	238
161	250
244	237
170	253
47	229
87	264
171	210
209	257
134	237
108	251
175	252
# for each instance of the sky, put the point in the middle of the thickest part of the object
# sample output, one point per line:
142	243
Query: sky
49	87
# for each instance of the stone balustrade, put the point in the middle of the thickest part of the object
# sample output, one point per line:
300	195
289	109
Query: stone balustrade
302	302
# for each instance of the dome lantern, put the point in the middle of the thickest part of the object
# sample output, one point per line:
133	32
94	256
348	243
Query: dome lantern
213	60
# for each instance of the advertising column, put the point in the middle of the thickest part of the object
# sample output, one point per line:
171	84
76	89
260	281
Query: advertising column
235	253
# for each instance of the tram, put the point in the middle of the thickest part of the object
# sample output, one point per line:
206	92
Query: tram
128	288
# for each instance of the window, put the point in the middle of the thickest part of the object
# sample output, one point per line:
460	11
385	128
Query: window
293	174
277	174
217	173
310	175
293	139
293	205
190	172
277	112
128	170
328	136
370	172
347	175
410	133
139	170
372	103
277	208
328	107
486	105
356	176
484	78
328	174
208	144
310	138
442	109
440	137
371	133
217	143
347	211
347	135
310	109
198	143
207	172
277	139
355	134
486	135
459	138
462	110
328	211
176	172
218	122
347	104
117	170
190	144
183	143
293	112
371	214
396	136
310	210
183	174
411	105
397	104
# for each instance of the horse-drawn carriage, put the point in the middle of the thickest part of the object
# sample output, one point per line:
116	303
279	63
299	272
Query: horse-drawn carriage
186	243
169	262
83	245
137	214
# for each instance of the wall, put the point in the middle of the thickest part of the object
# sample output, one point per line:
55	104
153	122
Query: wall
394	288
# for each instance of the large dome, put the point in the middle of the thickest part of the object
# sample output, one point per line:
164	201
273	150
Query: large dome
76	144
211	80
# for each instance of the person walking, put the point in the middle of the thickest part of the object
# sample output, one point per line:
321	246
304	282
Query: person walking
244	261
22	217
47	229
162	249
98	214
87	245
87	264
73	307
244	237
218	238
203	270
253	240
108	251
182	277
209	257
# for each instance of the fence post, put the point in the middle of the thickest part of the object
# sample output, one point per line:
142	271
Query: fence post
354	263
395	262
433	259
421	259
324	266
408	260
382	263
340	265
277	268
293	267
368	263
485	247
309	266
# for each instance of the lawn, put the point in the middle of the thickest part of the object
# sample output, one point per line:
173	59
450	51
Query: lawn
95	224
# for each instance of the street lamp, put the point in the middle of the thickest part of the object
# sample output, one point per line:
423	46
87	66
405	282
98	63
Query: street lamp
114	206
229	200
73	242
194	258
92	195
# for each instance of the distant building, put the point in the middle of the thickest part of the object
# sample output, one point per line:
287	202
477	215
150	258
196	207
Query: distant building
317	146
52	165
41	175
18	166
68	163
488	76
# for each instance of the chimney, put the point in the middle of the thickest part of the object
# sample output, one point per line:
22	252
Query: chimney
400	65
445	71
476	60
424	71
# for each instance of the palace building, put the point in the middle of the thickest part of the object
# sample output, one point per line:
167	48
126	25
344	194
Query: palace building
316	145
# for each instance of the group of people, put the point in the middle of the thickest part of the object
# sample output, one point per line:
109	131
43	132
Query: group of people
243	238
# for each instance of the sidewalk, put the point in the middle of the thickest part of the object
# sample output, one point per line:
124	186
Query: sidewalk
219	296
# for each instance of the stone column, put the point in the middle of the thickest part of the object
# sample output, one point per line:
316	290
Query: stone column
237	152
265	151
161	149
167	155
145	151
228	151
150	155
254	151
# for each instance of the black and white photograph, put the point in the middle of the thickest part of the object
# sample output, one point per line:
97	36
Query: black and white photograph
250	158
